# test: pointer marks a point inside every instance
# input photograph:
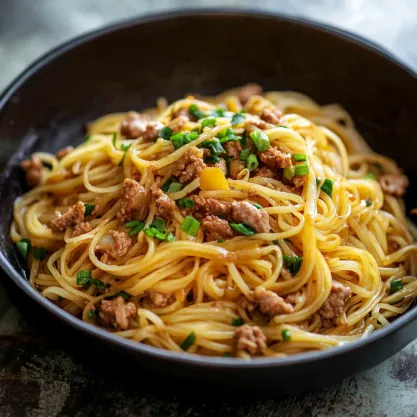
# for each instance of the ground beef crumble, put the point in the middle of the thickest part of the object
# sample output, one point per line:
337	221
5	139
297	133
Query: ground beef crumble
117	312
250	339
73	217
216	228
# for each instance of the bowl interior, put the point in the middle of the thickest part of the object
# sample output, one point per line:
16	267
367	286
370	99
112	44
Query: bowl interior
130	66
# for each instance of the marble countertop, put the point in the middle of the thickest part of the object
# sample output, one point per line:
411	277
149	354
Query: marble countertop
38	378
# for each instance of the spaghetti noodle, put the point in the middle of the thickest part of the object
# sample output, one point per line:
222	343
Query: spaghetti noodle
245	224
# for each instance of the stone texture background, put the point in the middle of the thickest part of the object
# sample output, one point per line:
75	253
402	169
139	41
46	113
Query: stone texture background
39	377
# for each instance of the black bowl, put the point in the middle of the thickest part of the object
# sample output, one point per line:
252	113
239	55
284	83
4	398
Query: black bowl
129	65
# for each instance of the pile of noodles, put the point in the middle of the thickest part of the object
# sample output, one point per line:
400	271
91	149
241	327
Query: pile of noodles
358	237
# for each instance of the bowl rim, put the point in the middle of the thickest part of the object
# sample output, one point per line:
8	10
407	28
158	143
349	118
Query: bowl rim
158	353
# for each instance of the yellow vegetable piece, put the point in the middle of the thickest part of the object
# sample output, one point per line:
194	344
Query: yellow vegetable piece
212	178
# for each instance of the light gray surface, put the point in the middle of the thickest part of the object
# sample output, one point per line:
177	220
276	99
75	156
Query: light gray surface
30	28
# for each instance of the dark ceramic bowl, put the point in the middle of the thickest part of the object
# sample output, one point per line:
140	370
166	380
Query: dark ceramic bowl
129	65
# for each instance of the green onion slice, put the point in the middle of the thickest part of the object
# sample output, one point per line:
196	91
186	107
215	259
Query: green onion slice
185	202
242	228
327	187
238	322
165	133
286	335
210	121
83	277
237	118
299	157
89	208
188	341
245	154
370	176
39	254
174	187
396	285
289	172
301	169
252	162
190	226
293	263
260	139
23	246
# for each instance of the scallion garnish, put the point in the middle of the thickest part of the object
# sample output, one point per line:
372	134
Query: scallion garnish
91	314
185	202
39	254
89	208
155	233
188	341
299	157
210	121
135	227
237	118
159	225
368	202
182	138
214	145
23	246
87	138
170	237
165	133
260	139
219	112
238	322
252	162
212	159
174	187
220	241
227	135
196	112
396	285
289	172
83	277
370	176
114	140
167	183
286	335
98	284
242	228
292	263
190	226
301	169
244	154
258	206
327	187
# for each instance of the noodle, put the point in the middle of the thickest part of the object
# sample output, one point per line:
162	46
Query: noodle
333	261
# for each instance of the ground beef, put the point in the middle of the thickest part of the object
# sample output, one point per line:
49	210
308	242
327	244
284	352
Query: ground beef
33	170
233	148
252	124
190	165
137	125
216	228
246	304
117	312
132	195
275	159
246	92
80	229
211	206
393	184
121	244
244	212
265	172
63	152
164	205
335	302
291	298
271	116
160	300
178	123
74	216
300	180
271	303
250	339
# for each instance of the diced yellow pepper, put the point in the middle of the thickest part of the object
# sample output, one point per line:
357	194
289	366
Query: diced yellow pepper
212	178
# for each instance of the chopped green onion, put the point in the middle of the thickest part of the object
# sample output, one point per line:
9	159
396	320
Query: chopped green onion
289	172
210	121
220	241
159	225
258	206
87	138
242	228
252	162
167	183
114	139
39	254
133	223
219	112
98	284
368	202
370	176
228	159
196	112
227	135
237	118
299	157
238	322
286	335
396	285
91	314
83	277
260	139
327	186
150	232
188	341
293	263
174	187
301	169
185	203
155	233
212	159
190	226
182	138
243	140
170	237
89	208
136	229
244	154
123	294
23	246
227	354
223	133
214	145
165	133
